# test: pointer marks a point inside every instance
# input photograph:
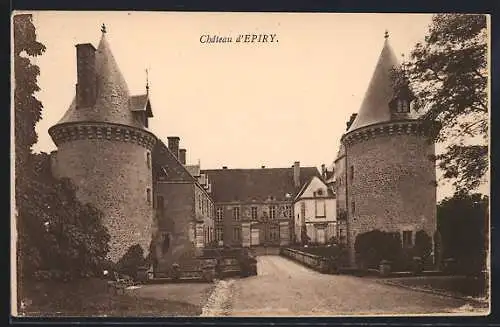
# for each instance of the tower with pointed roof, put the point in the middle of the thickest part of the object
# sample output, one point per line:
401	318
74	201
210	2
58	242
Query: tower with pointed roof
384	172
104	147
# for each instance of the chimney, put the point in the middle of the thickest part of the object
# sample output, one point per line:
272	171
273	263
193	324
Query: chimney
296	174
224	167
173	145
86	75
262	167
351	120
323	171
182	156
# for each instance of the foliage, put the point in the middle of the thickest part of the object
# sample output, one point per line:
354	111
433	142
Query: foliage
374	246
449	78
462	222
57	235
56	231
131	261
27	108
423	245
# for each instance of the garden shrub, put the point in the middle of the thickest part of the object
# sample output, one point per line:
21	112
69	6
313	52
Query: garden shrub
131	261
374	246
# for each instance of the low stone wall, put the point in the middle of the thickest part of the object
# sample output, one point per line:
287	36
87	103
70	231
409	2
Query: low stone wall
312	261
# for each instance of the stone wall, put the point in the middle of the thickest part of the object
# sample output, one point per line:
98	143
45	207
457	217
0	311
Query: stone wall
114	176
393	187
176	221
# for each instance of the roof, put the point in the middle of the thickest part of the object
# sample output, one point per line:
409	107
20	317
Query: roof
141	103
257	184
194	170
375	106
167	165
306	185
113	103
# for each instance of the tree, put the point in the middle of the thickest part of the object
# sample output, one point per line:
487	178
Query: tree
463	224
55	232
27	108
448	75
131	261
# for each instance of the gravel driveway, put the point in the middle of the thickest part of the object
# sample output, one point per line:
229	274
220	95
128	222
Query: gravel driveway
285	288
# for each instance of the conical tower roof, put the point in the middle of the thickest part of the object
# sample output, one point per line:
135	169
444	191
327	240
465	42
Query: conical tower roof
112	96
375	106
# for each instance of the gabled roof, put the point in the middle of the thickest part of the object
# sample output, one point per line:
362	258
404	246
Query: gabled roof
167	165
113	103
141	103
375	106
256	184
306	186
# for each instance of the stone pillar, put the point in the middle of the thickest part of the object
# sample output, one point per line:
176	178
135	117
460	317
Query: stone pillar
246	234
284	233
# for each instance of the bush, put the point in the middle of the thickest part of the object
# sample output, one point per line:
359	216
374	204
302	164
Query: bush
56	232
131	261
375	246
423	245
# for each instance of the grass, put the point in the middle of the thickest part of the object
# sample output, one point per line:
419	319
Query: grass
90	297
461	286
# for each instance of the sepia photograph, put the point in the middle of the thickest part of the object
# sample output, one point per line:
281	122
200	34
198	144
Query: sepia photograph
230	164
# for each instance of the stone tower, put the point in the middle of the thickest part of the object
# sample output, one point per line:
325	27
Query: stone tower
385	175
104	147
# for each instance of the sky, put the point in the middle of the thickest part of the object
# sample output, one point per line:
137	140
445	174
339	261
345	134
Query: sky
232	104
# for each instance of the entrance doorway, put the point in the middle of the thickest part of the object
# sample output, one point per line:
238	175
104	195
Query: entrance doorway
255	236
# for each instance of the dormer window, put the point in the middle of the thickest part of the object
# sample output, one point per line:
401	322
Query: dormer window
403	106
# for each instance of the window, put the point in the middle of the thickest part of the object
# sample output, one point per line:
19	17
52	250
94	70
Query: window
288	211
219	234
403	106
200	203
148	195
254	213
148	159
320	208
407	239
236	233
236	213
219	214
303	209
353	207
272	212
352	173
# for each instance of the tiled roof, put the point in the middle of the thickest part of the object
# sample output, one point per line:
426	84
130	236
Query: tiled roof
165	164
257	184
375	106
113	98
141	103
